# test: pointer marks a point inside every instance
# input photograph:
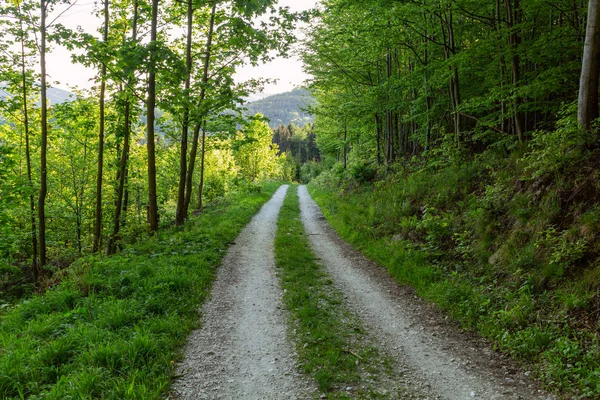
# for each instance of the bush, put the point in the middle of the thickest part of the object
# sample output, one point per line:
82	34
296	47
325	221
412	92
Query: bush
310	170
363	172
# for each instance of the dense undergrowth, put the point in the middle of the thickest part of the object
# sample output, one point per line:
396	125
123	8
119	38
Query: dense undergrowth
113	327
507	242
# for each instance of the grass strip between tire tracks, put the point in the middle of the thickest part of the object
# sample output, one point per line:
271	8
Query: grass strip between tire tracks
114	327
330	339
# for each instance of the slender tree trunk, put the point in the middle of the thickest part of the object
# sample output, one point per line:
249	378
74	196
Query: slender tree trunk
191	166
378	129
181	213
449	50
122	191
44	132
206	66
587	105
150	105
112	241
512	17
498	25
202	158
34	251
389	125
98	223
345	145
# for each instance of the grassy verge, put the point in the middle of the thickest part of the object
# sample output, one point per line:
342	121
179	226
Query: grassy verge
331	341
113	328
495	257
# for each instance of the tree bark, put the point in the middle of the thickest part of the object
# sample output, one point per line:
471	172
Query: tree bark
587	105
150	106
512	17
194	151
389	125
122	192
200	205
34	252
378	128
181	213
44	132
98	222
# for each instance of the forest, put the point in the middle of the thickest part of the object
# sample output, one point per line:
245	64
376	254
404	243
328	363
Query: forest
455	143
284	108
154	139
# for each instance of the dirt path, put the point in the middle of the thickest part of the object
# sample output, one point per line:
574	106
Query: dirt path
430	352
241	350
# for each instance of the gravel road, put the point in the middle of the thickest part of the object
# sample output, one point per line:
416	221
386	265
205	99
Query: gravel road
439	359
241	350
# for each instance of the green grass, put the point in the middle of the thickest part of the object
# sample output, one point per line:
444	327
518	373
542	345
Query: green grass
114	327
329	337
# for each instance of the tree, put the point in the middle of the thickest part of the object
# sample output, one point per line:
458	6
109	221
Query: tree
150	106
587	106
99	177
44	133
180	214
255	153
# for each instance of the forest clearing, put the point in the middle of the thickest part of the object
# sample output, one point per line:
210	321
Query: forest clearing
158	235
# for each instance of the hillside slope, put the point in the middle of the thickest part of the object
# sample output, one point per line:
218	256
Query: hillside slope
284	108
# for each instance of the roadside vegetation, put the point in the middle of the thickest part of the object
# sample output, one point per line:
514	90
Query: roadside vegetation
332	344
114	326
508	250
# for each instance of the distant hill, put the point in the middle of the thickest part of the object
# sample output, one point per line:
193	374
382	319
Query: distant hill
284	108
55	95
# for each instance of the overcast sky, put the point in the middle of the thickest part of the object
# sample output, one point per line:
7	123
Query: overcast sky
60	69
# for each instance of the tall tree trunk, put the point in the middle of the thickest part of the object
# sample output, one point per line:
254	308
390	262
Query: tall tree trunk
98	222
450	50
428	100
512	18
120	204
345	145
34	251
112	241
150	105
181	213
194	151
200	205
378	129
587	104
389	123
44	132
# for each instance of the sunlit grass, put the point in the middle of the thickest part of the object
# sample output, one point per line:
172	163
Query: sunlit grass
114	327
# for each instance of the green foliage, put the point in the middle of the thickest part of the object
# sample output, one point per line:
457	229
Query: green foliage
114	326
310	171
255	154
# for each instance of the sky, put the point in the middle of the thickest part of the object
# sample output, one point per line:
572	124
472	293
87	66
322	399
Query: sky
65	75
